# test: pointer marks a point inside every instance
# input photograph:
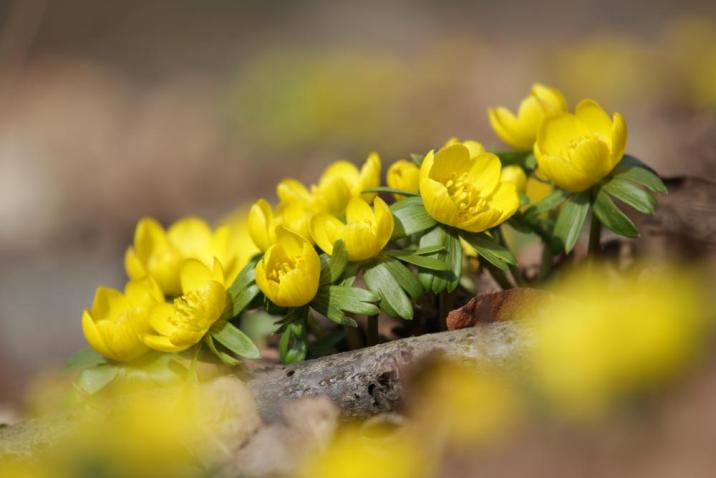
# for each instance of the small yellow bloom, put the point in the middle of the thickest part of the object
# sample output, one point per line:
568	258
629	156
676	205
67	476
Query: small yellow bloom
263	221
520	131
365	233
204	300
289	272
473	146
234	244
158	253
340	182
114	323
514	174
537	190
577	150
403	175
464	191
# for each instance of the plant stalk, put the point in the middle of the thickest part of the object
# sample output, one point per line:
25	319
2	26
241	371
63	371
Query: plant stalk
353	337
595	238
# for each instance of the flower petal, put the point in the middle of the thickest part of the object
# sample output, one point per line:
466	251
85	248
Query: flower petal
597	120
194	275
325	231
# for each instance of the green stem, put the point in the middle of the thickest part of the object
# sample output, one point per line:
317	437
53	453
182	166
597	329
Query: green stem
499	276
353	336
371	333
315	327
546	264
514	269
595	237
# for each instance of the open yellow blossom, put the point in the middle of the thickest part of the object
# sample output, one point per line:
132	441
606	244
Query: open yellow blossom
158	253
289	271
234	244
577	150
263	221
520	131
403	175
340	182
179	325
116	320
466	192
365	232
516	175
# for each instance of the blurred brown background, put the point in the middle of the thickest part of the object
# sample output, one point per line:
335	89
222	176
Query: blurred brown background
114	110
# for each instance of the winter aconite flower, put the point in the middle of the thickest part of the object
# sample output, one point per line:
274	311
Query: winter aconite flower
403	175
466	192
179	325
520	130
516	175
158	253
365	233
340	182
114	323
263	221
577	150
289	271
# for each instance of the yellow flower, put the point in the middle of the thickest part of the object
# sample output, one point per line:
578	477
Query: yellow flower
464	191
577	150
114	323
474	147
340	182
537	190
403	175
355	455
234	244
516	175
158	253
204	300
365	233
263	222
520	131
289	272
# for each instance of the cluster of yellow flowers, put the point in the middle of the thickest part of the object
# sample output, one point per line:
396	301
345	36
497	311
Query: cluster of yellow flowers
188	282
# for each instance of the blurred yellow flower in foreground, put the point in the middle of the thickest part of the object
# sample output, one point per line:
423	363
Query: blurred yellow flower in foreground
577	150
340	182
365	233
159	253
520	130
464	191
403	175
462	404
183	323
289	271
609	338
354	455
115	322
514	174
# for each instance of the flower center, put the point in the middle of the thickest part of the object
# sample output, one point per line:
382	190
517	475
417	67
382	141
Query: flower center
190	311
464	195
283	267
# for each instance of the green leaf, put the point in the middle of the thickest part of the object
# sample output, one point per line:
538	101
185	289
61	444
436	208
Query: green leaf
222	356
548	203
632	169
631	194
490	249
348	299
245	277
423	251
439	281
324	305
390	190
408	282
236	341
336	263
425	262
293	344
86	357
612	217
244	298
417	158
571	220
379	279
94	379
410	217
